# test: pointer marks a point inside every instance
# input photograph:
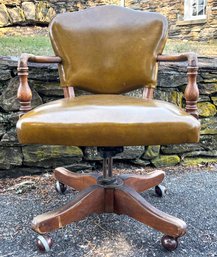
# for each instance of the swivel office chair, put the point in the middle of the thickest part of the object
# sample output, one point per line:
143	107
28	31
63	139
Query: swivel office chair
108	50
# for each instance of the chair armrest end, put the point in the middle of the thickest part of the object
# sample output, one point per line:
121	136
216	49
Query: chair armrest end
191	93
24	93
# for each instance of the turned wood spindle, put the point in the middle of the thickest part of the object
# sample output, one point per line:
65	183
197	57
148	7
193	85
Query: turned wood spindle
24	93
191	92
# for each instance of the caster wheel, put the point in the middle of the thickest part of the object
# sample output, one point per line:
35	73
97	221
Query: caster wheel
44	243
60	187
169	243
160	190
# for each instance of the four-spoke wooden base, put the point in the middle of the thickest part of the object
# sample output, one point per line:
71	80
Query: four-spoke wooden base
120	197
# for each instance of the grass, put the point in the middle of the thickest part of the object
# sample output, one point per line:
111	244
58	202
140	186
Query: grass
40	45
208	49
15	45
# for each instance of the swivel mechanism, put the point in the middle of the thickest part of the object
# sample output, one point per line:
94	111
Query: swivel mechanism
108	193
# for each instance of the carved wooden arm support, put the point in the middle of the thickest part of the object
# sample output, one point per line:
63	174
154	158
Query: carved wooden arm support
24	93
191	93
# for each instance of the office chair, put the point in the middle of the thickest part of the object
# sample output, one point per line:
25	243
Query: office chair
107	51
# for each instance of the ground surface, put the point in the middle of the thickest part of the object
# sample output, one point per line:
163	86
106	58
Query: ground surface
192	197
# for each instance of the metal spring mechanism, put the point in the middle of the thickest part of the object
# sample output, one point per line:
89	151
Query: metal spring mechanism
107	153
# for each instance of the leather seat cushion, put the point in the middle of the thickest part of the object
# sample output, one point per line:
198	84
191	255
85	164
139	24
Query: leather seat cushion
107	120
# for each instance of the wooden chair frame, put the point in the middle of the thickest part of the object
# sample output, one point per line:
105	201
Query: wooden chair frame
121	195
191	94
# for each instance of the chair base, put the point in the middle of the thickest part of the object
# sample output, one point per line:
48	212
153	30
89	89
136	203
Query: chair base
120	196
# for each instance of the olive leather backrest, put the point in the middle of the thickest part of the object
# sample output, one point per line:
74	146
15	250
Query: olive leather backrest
108	49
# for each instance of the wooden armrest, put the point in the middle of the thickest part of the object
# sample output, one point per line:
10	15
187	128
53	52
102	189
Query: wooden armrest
190	57
191	93
24	93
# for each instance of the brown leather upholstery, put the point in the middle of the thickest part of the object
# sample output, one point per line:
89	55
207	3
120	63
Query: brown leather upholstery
108	49
107	120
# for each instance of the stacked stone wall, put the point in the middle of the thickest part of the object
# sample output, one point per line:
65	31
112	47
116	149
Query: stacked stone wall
40	12
200	30
18	159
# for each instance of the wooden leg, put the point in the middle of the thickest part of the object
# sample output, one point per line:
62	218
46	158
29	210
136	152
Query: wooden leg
129	202
75	180
143	182
89	201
